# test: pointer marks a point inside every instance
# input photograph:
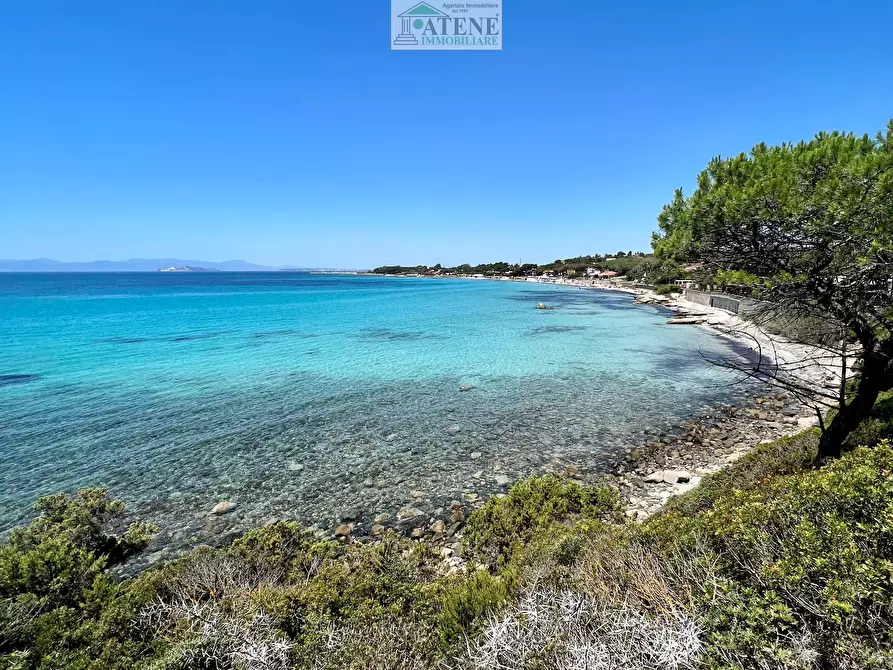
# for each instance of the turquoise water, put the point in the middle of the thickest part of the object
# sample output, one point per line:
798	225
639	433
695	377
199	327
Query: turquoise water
297	396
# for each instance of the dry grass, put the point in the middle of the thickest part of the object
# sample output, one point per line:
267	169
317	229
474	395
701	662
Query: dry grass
565	630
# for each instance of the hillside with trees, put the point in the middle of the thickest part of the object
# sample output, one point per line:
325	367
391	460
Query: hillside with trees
623	263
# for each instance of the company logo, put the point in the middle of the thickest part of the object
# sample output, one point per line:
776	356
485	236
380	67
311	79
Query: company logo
445	26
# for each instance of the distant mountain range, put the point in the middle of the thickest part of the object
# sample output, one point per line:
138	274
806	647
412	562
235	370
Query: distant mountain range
134	265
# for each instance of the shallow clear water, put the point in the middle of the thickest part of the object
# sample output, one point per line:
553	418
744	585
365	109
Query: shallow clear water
297	396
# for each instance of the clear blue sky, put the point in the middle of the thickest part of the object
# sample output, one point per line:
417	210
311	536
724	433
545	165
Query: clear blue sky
287	132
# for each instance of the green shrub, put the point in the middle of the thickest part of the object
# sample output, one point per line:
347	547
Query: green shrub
801	566
464	603
667	289
879	426
59	606
503	525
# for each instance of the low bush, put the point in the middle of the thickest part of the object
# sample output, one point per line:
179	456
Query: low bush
504	525
768	564
803	567
59	605
879	426
667	289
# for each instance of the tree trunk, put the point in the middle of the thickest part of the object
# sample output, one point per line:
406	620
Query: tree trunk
847	419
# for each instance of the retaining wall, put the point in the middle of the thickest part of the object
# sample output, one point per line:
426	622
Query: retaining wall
729	303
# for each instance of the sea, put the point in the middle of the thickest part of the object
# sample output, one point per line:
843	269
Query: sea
318	398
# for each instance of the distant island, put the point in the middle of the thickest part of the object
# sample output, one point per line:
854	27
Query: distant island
188	268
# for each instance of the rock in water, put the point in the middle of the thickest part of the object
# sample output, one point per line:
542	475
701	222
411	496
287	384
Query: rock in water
409	513
351	514
343	530
9	380
465	388
222	508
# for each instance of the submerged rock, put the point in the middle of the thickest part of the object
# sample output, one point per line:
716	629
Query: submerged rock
222	508
351	514
409	513
9	380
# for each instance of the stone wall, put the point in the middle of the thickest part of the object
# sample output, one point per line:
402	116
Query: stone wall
729	303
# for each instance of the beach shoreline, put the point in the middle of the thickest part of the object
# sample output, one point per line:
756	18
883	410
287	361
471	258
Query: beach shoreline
654	467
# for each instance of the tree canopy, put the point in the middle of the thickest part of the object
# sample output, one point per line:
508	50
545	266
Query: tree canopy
810	225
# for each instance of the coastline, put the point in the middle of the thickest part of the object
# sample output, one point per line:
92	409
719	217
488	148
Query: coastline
655	466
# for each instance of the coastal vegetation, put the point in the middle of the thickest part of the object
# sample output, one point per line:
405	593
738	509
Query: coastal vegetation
768	564
781	560
622	263
806	229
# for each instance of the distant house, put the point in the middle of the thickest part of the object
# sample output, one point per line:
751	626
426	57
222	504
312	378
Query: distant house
607	274
592	272
693	267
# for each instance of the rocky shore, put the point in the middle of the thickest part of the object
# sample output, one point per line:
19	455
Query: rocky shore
653	469
656	466
670	465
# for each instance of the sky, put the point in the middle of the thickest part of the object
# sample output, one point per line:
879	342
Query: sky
288	132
